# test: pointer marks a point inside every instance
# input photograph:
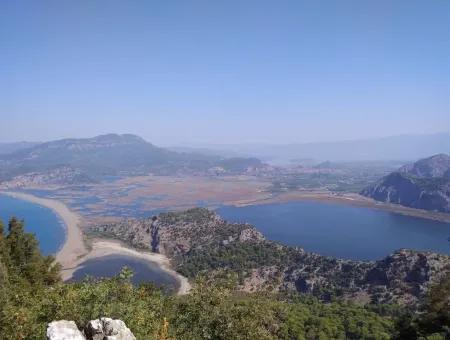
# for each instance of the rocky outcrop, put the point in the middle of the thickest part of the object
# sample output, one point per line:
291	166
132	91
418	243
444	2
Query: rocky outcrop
176	233
100	329
63	330
423	185
406	274
402	277
108	329
137	233
265	278
199	241
433	167
250	235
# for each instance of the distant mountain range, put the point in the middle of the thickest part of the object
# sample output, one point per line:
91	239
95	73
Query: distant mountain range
403	148
424	184
91	158
6	148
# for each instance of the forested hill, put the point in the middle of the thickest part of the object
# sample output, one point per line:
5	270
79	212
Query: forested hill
112	154
424	184
32	296
200	242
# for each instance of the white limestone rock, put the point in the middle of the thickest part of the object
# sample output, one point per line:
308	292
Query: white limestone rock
63	330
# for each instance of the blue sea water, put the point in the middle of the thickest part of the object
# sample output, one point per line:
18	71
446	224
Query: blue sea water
43	222
326	228
342	231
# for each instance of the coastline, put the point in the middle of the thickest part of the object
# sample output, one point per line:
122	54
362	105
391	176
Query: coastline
348	199
73	247
74	252
105	247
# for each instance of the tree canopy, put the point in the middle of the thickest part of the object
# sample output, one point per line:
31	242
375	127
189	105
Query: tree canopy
32	295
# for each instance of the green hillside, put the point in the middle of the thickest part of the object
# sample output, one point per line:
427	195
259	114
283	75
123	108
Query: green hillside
31	295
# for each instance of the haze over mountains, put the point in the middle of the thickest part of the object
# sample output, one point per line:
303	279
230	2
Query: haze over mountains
90	158
12	147
402	147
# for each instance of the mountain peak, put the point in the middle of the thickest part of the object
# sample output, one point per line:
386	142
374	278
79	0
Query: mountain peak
114	154
435	166
118	138
424	184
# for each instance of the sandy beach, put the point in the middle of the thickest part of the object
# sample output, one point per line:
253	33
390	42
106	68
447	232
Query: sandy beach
74	252
73	247
101	247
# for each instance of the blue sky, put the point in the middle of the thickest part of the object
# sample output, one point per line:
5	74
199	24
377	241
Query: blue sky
178	72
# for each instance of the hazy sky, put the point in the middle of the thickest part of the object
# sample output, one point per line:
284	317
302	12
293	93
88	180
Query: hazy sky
224	71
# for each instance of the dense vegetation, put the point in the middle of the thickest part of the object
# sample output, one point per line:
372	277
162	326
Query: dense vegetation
239	258
31	295
200	242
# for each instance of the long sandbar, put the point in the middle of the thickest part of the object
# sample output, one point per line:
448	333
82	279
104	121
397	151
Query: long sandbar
74	252
73	247
347	199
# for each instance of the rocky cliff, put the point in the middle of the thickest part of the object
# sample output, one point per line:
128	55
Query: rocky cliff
178	233
433	167
423	185
198	241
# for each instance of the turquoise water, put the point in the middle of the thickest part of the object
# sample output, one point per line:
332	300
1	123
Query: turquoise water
43	222
342	231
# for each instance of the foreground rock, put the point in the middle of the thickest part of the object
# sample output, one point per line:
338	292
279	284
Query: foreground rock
199	242
100	329
108	329
63	330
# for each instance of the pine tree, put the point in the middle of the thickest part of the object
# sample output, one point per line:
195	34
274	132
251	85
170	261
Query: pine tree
25	259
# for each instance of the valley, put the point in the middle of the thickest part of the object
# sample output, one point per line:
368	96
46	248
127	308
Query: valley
224	170
302	229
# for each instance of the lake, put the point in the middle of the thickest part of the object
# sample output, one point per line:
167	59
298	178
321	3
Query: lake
143	271
43	222
342	231
330	229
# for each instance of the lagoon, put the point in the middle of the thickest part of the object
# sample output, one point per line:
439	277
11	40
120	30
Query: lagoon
342	231
51	234
111	265
331	229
